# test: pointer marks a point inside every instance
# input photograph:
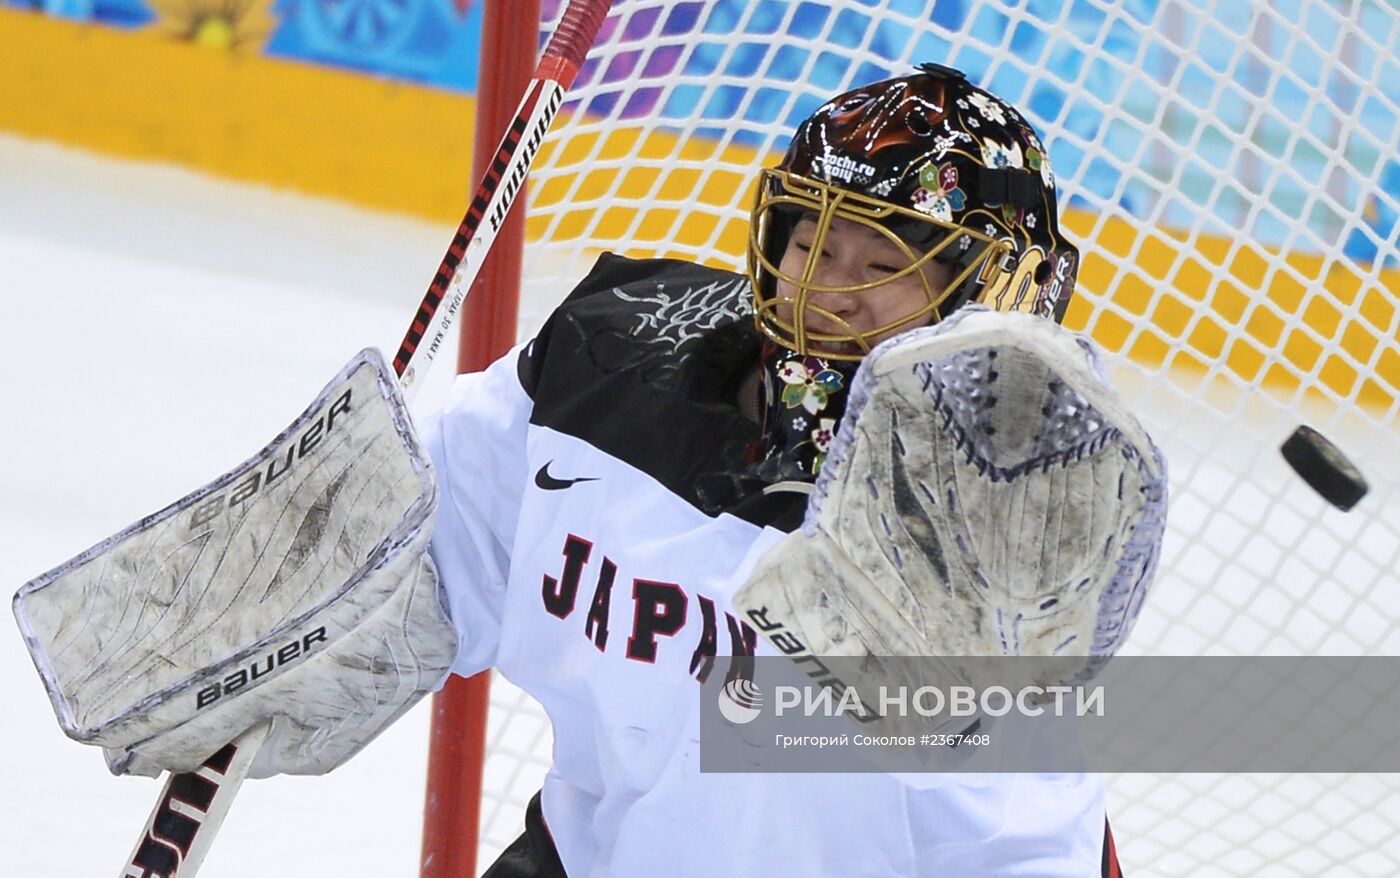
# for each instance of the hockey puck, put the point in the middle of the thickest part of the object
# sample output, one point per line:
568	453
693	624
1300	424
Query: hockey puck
1324	467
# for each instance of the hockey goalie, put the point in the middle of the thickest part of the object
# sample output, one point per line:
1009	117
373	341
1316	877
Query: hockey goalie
880	438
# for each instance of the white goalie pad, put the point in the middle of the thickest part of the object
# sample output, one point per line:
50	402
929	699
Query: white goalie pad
987	495
293	588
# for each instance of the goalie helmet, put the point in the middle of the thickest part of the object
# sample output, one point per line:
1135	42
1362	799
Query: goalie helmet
942	174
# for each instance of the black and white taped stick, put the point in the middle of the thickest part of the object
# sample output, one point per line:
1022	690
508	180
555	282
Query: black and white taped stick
192	806
190	810
501	184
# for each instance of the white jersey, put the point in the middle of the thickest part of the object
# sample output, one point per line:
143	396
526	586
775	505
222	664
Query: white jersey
590	538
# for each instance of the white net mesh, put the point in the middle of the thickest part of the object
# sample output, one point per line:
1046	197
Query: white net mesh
1230	172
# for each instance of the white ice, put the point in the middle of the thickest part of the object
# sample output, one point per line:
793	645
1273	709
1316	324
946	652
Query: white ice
157	328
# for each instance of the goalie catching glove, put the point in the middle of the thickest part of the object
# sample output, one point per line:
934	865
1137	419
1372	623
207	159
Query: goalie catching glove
294	588
987	495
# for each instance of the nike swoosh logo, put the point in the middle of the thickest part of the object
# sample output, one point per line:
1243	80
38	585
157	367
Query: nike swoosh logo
547	482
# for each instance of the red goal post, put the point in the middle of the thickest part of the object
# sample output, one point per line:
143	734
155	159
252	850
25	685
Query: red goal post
457	740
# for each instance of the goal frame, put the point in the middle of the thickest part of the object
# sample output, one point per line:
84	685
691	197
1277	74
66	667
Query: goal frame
1198	313
457	739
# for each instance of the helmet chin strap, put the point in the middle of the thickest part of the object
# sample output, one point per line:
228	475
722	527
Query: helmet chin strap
803	399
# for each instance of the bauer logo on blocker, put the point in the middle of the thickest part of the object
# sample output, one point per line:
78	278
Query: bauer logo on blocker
740	701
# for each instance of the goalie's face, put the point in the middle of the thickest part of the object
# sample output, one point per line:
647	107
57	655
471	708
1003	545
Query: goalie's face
846	287
836	272
943	174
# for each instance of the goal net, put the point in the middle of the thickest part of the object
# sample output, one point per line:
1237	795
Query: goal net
1231	174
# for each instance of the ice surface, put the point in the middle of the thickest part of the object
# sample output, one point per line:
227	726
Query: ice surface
158	327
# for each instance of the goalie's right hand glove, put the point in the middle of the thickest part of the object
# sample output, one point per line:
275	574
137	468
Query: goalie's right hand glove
294	589
332	702
987	495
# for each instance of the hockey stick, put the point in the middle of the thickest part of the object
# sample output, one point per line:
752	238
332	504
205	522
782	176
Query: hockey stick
504	176
190	810
192	806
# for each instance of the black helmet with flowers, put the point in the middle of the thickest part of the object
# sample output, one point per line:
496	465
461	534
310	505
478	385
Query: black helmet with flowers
946	175
944	170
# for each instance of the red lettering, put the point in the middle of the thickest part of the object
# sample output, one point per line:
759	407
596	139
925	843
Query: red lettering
560	594
596	626
703	659
659	612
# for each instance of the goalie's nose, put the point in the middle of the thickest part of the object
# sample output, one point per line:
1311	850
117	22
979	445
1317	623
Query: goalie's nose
823	306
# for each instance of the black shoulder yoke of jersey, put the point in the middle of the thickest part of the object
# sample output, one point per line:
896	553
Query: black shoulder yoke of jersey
643	361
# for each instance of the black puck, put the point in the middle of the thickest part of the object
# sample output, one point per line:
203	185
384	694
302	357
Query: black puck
1325	468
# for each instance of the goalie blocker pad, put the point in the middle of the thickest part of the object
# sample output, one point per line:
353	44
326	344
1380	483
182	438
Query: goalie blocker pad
295	586
987	494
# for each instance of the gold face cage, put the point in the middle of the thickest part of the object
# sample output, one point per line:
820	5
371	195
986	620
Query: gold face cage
785	318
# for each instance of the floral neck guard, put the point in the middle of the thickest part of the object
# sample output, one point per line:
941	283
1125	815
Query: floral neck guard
803	399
